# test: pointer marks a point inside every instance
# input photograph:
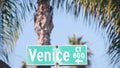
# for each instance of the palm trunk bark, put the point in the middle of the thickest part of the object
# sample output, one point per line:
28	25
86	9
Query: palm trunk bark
43	24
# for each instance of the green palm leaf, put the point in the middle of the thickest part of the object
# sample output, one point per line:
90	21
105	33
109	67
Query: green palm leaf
12	13
108	12
78	41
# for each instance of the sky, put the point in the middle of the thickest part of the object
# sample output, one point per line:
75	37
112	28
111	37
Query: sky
65	25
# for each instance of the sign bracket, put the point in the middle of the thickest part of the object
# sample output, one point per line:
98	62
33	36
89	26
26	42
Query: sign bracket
57	65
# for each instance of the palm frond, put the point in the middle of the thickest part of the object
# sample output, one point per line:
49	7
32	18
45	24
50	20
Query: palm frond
12	13
108	12
78	41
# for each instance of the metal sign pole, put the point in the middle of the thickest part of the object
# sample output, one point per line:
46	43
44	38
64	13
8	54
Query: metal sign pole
57	65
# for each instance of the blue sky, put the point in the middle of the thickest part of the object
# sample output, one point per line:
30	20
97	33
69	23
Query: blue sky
65	25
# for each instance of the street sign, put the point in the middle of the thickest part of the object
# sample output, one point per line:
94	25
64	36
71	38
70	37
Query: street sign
63	55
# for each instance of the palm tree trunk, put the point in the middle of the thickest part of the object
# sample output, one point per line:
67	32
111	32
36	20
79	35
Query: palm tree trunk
43	23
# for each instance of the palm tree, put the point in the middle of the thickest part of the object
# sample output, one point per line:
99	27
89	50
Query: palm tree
108	12
43	23
78	41
12	12
105	10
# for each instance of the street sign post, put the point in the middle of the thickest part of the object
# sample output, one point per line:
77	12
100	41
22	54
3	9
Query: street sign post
62	55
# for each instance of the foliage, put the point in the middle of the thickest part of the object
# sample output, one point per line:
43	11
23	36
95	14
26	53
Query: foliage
78	41
108	12
24	65
12	13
